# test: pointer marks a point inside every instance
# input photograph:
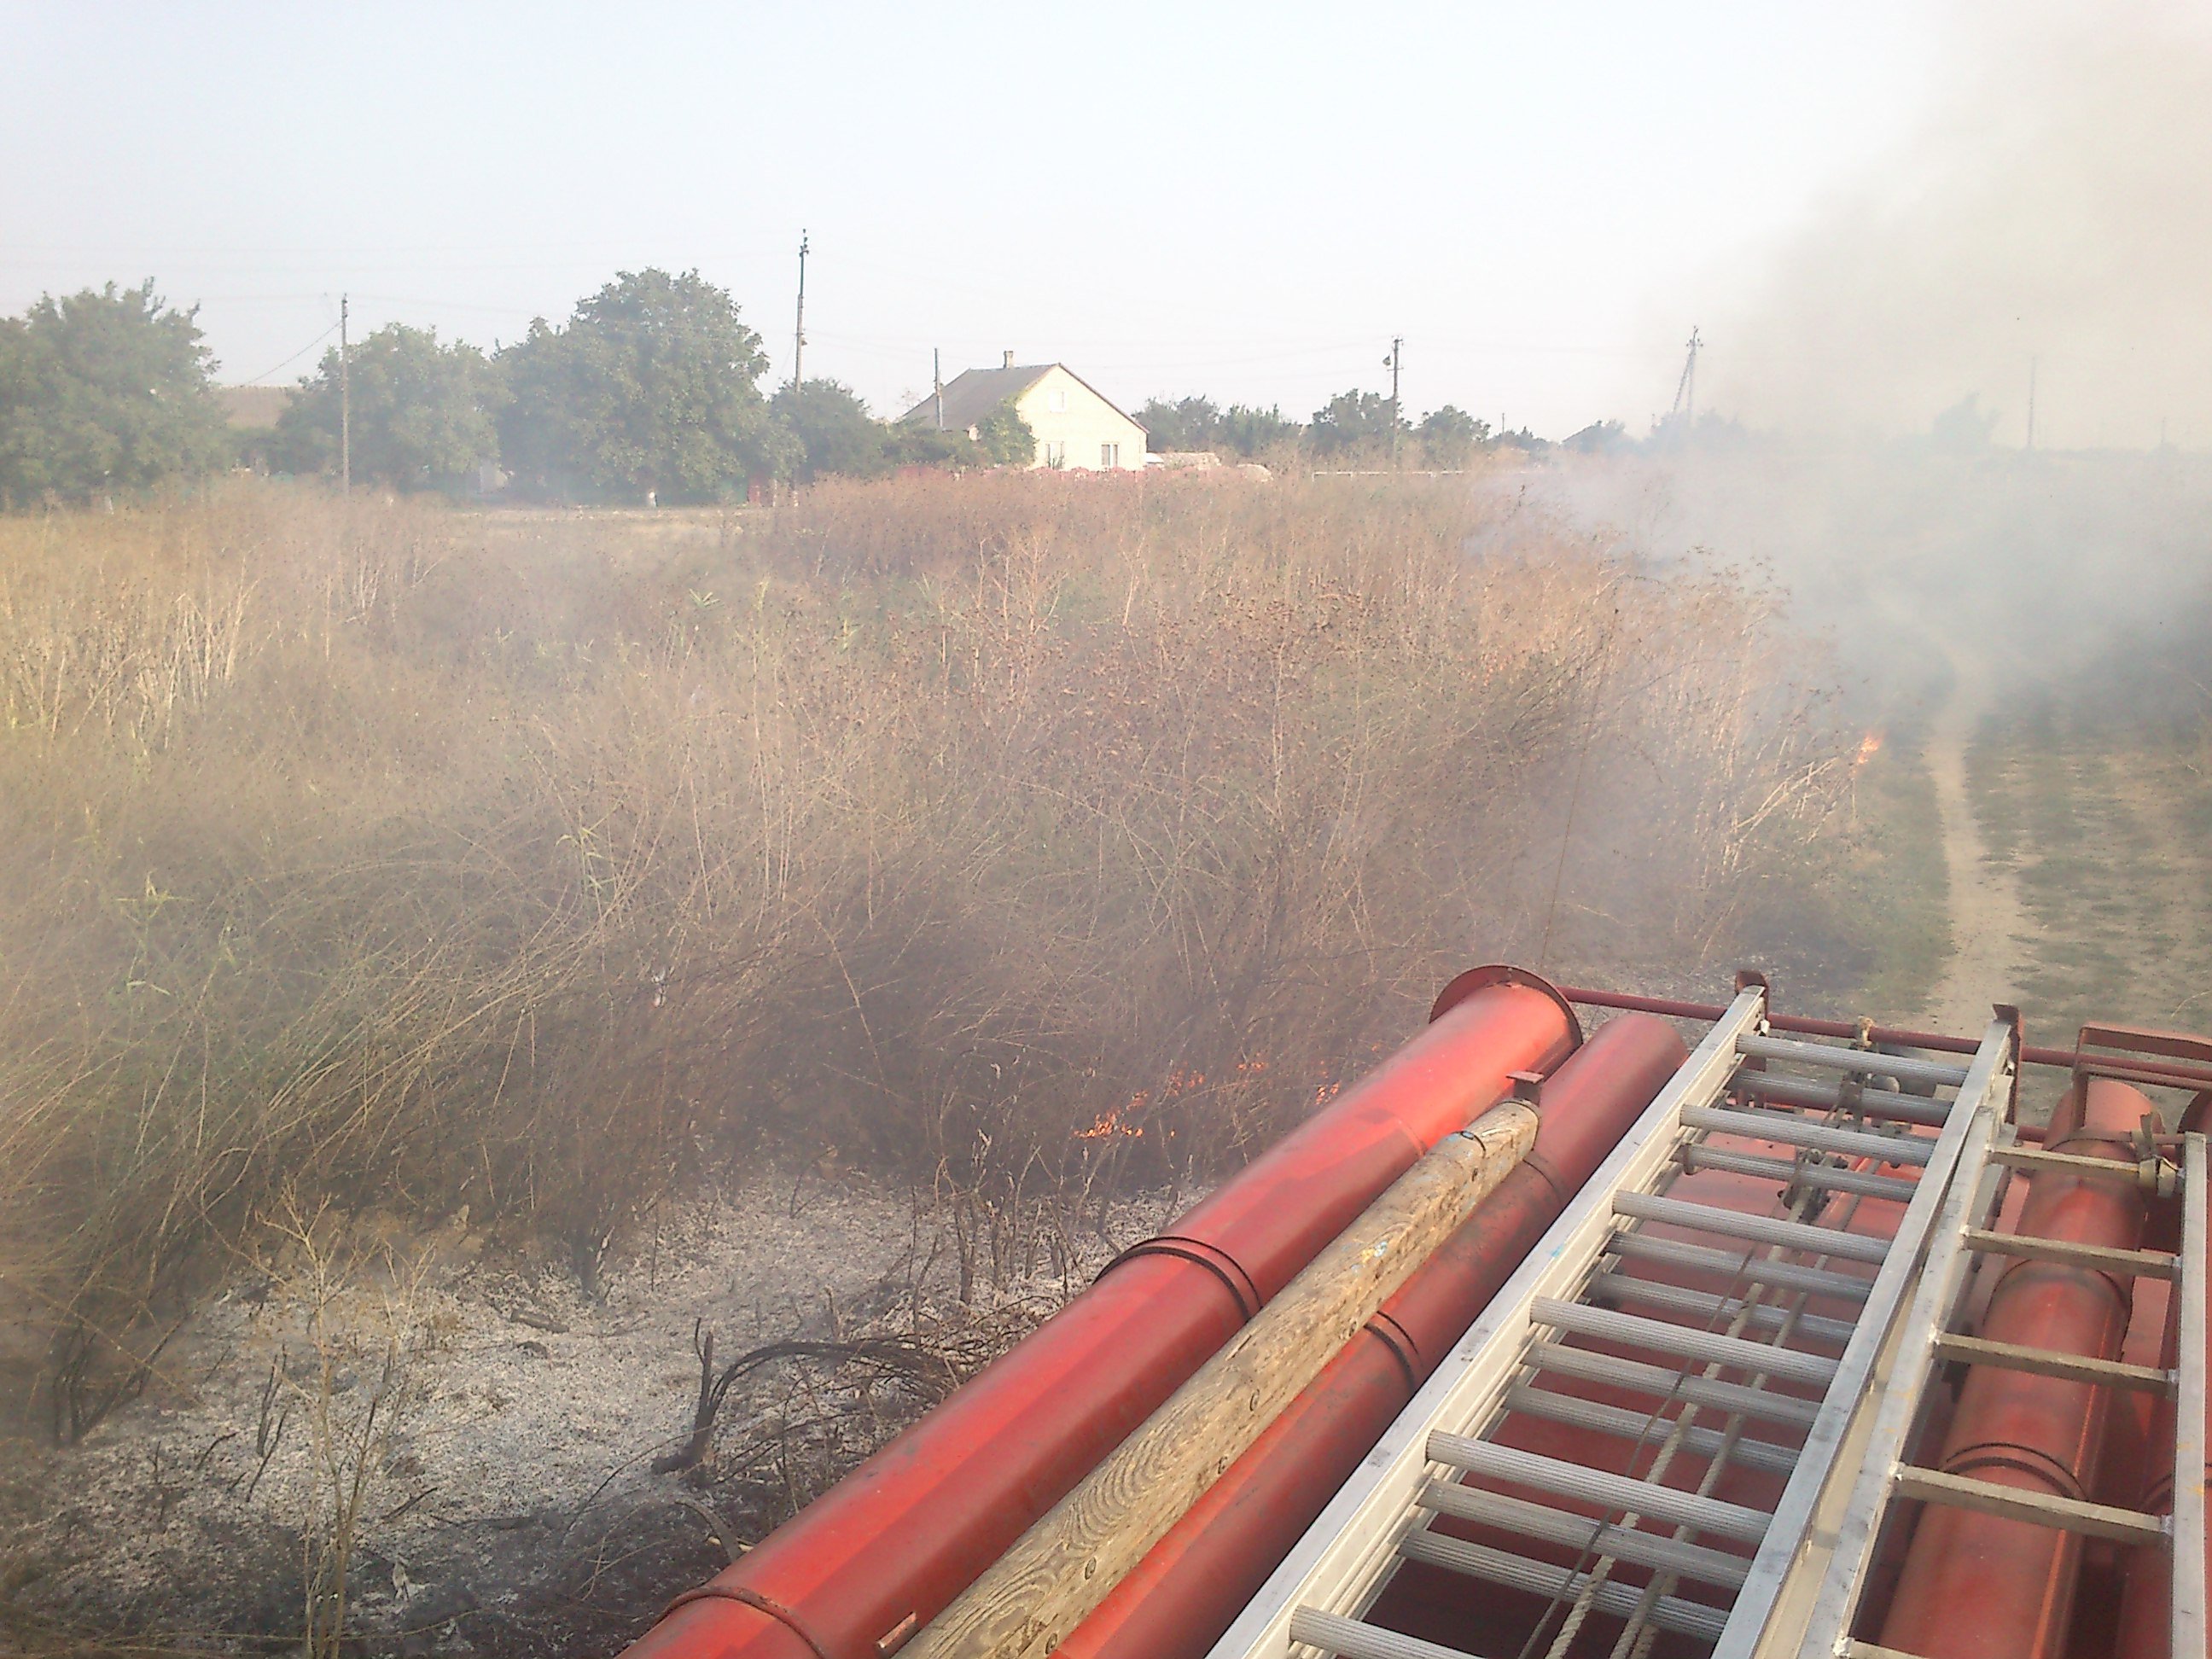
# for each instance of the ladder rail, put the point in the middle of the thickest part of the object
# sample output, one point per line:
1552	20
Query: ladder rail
2186	1534
1784	1575
1340	1561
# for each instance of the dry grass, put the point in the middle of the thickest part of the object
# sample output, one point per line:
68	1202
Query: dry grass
422	860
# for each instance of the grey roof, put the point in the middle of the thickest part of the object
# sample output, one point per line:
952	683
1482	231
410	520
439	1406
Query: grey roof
974	392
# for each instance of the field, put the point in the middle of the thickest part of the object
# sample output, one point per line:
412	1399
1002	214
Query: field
1003	848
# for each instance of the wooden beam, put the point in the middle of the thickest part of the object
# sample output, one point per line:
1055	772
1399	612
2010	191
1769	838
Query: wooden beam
2111	1168
2037	1509
2043	1362
2140	1264
1065	1564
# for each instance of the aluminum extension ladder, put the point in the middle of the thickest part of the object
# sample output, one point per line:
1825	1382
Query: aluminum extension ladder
1795	1592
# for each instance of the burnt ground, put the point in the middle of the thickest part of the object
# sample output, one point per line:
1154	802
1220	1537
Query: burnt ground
472	1437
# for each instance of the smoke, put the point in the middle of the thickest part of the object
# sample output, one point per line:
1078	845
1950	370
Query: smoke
2052	216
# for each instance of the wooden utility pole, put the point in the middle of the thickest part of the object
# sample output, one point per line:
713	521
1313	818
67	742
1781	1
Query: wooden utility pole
1390	362
345	398
936	381
799	333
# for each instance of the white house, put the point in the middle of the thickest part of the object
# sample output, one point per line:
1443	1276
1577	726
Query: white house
1075	427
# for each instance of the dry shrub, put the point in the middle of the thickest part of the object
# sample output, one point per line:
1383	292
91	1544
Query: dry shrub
964	826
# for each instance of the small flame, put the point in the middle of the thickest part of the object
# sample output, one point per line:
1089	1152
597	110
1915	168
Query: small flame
1112	1126
1870	746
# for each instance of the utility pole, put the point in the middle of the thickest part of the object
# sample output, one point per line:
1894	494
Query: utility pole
937	383
1686	389
799	333
345	397
1391	362
2032	366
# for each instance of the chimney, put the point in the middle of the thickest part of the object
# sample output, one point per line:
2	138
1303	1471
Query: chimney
1009	363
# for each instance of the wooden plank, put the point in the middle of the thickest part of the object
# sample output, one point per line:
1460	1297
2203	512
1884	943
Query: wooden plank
1869	1650
2043	1362
1066	1564
2023	1157
2037	1509
2140	1264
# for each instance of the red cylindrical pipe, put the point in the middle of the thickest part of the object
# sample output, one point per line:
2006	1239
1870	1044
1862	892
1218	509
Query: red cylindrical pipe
1196	1580
1975	1586
887	1548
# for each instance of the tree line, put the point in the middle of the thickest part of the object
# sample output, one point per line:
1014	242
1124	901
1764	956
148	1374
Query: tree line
650	389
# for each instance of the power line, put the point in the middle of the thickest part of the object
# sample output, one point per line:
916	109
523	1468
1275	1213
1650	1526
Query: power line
293	358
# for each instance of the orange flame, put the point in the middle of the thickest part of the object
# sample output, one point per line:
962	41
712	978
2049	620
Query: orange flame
1870	746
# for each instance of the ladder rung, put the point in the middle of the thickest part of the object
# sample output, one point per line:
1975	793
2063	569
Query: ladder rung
1829	1098
1906	1068
1646	1428
2037	1509
1608	1491
1758	1229
1766	1316
1696	1155
1616	1601
1760	1270
1586	1366
2141	1264
2045	1362
1794	1130
1348	1639
1661	1336
1583	1532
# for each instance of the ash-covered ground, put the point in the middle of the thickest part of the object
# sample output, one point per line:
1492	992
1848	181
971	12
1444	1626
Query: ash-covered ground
471	1437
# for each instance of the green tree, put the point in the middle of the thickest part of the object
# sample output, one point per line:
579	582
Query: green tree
831	431
1448	435
106	390
1248	430
650	388
1004	437
1185	424
424	413
912	444
1354	420
1599	438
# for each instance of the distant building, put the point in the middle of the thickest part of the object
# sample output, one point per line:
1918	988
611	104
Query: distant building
253	405
1076	428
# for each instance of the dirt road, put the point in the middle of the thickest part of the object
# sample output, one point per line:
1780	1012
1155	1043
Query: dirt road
1989	921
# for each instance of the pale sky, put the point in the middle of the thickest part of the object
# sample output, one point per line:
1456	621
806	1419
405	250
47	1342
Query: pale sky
1245	201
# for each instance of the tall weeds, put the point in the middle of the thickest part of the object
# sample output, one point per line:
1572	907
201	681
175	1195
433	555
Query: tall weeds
1000	830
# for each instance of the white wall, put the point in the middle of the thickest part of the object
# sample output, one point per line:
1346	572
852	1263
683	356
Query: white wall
1073	421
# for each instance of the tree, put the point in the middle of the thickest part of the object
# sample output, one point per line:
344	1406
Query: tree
1448	435
106	390
1598	438
1201	423
1353	420
1186	425
1004	437
424	413
831	431
1248	430
649	388
910	444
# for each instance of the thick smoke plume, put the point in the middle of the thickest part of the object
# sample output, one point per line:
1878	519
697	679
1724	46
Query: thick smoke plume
2052	216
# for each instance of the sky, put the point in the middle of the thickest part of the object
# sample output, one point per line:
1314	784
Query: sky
1248	201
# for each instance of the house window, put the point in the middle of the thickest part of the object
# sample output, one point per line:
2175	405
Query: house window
1110	455
1055	454
1056	400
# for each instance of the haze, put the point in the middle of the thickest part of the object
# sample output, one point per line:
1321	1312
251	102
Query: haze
1245	201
